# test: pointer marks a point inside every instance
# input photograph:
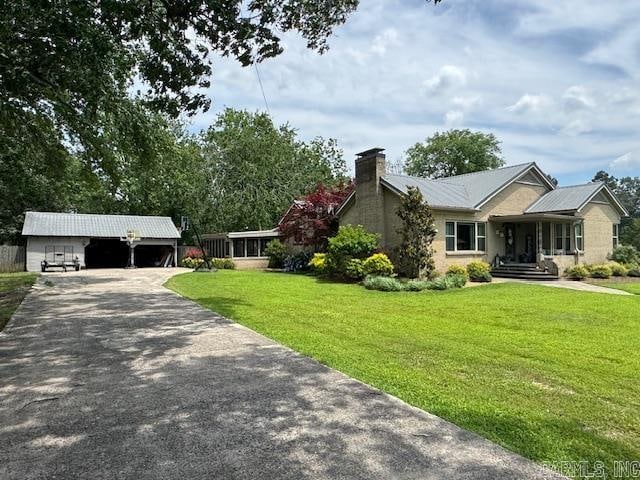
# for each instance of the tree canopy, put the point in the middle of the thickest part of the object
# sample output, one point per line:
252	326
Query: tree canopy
260	168
453	153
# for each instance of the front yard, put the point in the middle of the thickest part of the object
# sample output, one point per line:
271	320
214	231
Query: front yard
552	374
13	288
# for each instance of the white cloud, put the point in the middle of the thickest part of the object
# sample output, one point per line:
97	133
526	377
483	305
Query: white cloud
578	97
467	102
576	127
453	118
448	76
528	103
388	38
630	161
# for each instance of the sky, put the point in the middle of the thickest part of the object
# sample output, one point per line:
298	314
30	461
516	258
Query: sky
557	81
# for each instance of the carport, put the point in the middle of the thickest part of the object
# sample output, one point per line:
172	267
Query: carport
99	241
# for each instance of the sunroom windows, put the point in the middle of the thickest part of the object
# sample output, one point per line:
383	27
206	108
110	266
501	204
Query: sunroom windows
465	236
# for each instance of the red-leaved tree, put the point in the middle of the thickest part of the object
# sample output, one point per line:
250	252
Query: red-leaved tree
311	220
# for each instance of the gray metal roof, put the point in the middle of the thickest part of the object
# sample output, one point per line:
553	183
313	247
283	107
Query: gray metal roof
51	224
437	194
466	191
565	198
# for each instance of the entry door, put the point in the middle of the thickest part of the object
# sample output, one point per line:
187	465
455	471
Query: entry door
510	241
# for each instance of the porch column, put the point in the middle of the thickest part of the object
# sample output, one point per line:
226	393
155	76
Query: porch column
231	253
540	251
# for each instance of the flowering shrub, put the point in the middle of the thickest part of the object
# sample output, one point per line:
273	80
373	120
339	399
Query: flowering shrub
193	252
378	264
318	263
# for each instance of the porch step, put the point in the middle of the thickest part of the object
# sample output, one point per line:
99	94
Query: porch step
522	271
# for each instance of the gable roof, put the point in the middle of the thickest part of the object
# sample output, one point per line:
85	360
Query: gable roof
572	198
51	224
468	191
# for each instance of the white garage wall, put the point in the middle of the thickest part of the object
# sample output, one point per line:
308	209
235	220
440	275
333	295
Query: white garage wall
36	245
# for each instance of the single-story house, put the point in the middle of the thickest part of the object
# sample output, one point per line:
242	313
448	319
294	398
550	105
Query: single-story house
99	241
509	217
246	249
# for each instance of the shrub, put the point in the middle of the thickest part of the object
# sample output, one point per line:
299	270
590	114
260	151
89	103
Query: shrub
351	242
378	264
479	271
223	263
354	269
618	270
625	254
417	285
277	253
577	272
318	263
384	284
634	270
193	252
600	271
190	262
458	270
447	282
297	263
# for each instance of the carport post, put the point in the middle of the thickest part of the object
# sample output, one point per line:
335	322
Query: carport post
175	253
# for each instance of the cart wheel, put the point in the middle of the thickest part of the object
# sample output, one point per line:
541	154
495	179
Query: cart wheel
43	268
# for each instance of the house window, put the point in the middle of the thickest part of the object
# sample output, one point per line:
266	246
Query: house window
616	239
252	247
563	238
465	236
559	247
263	246
579	237
238	247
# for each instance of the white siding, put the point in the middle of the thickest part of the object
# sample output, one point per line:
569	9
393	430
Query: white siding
36	245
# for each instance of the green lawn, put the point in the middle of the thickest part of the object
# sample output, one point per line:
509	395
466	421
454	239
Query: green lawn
550	373
628	284
13	288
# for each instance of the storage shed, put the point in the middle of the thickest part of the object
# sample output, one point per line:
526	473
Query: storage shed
99	241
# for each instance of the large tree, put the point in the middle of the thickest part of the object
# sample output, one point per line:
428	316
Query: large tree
259	168
453	153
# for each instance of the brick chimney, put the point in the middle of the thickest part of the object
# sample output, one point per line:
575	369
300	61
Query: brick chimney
370	166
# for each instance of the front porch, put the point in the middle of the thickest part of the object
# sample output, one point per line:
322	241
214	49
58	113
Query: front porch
536	245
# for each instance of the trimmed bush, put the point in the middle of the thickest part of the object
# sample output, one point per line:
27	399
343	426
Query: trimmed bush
318	263
354	269
448	281
625	254
378	264
384	284
351	242
277	253
191	262
417	285
297	263
618	270
634	270
223	263
458	270
577	272
600	271
479	271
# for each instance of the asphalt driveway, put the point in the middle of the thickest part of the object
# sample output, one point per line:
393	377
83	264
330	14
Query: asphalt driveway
108	375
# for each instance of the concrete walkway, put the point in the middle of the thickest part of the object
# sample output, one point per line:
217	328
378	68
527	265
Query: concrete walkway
107	375
568	284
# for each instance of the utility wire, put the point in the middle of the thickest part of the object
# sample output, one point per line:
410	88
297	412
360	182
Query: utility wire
255	64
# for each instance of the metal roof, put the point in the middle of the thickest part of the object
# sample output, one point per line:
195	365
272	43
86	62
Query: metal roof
437	194
49	224
468	191
565	198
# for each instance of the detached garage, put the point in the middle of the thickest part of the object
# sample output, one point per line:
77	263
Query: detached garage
99	241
